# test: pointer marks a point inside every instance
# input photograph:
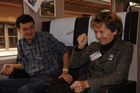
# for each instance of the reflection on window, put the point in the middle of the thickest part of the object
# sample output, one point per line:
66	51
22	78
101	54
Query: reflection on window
12	30
12	42
2	37
1	30
2	43
12	33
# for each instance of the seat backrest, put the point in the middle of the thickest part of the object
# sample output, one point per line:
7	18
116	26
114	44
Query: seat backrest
130	26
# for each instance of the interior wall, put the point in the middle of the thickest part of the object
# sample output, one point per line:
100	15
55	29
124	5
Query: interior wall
138	58
9	13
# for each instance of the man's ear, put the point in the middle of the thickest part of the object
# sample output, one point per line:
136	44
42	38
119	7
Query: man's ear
115	33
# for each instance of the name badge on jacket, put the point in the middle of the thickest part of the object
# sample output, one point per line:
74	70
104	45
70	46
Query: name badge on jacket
95	55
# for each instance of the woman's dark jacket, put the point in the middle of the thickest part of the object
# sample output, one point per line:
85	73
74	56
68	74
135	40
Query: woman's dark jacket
111	68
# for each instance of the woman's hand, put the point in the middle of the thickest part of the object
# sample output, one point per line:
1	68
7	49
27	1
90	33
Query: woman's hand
79	86
7	69
82	40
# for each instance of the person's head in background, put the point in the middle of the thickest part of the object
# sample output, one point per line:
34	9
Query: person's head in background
107	27
25	25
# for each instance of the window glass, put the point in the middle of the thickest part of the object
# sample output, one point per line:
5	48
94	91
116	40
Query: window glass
1	30
12	34
2	43
12	42
2	37
12	30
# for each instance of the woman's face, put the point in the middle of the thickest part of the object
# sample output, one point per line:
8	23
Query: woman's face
103	35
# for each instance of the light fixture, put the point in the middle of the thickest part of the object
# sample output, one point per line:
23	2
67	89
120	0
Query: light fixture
106	2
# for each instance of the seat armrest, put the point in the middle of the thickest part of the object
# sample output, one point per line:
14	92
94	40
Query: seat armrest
126	87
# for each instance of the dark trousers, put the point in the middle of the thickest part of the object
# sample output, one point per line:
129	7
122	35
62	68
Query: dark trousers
61	88
22	85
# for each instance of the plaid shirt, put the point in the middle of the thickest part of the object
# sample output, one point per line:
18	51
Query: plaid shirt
41	55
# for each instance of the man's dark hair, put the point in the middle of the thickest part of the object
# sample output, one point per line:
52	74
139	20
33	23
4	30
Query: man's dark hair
25	18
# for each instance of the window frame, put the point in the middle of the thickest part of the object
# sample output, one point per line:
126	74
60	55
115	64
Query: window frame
7	48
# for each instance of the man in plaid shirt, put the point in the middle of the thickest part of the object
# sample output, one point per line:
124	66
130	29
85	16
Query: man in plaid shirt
39	54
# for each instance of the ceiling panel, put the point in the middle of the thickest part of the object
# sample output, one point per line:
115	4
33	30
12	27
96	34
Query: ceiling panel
81	6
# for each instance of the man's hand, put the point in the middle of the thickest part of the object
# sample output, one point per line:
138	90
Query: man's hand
7	69
66	76
82	40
